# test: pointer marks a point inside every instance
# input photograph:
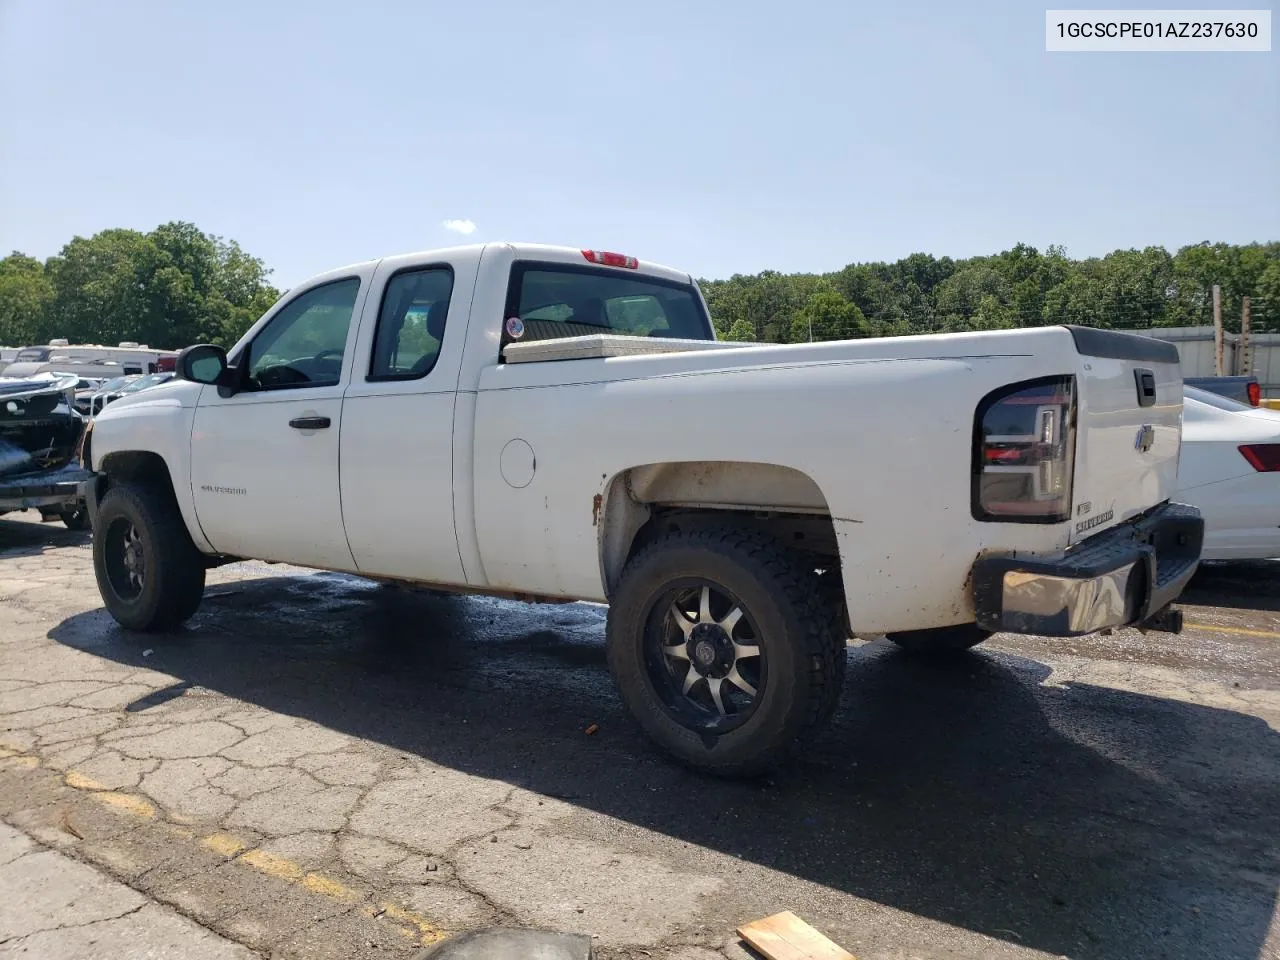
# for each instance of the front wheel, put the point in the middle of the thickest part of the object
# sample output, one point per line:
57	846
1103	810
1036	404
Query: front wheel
150	574
723	650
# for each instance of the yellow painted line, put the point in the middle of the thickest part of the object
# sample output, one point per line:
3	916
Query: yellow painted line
428	931
80	782
128	803
222	844
319	883
1240	631
273	866
409	923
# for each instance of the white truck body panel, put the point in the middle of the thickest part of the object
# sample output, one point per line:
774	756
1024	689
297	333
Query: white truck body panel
1112	478
261	488
542	538
512	476
158	421
405	429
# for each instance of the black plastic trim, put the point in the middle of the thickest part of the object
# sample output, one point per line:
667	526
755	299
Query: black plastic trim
1143	379
90	492
310	423
1114	345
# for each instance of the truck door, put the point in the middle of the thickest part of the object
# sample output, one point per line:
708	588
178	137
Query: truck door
264	461
397	421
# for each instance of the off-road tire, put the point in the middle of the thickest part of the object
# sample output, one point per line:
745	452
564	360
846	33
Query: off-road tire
831	589
806	657
943	641
174	584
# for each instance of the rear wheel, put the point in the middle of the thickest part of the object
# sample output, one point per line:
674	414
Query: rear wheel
150	574
944	640
722	649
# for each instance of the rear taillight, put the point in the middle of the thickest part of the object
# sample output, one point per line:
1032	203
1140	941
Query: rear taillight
1255	394
1263	457
605	258
1024	452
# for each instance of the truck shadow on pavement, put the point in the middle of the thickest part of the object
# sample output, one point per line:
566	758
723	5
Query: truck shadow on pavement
1073	819
19	539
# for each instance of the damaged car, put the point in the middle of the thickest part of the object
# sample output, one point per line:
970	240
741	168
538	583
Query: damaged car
40	435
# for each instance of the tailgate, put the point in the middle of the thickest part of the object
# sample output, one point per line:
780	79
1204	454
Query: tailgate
1128	427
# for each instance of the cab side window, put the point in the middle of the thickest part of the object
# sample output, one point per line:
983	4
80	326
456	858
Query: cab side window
303	345
415	306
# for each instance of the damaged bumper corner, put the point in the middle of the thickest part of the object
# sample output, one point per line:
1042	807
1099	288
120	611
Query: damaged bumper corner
1126	576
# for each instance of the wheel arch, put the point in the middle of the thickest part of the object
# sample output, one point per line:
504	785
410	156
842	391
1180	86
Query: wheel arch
642	502
151	469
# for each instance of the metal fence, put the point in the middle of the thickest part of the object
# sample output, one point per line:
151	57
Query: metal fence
1260	357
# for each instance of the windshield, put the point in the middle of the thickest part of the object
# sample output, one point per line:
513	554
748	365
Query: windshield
1214	399
548	301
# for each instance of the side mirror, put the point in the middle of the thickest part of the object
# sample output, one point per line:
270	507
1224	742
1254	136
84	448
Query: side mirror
203	363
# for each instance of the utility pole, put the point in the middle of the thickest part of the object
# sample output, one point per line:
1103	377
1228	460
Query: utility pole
1217	330
1246	357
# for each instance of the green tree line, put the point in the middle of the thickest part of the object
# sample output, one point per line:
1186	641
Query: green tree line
176	285
1021	287
168	288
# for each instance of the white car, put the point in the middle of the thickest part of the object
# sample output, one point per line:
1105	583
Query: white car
1230	469
561	424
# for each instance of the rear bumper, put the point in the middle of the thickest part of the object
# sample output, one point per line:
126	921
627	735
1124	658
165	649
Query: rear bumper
1124	576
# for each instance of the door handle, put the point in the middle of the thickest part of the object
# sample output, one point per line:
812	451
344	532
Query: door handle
309	423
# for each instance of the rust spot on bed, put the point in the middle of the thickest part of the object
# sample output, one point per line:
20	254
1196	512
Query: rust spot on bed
596	503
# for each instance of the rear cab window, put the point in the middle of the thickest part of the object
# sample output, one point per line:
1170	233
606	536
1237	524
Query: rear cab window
548	301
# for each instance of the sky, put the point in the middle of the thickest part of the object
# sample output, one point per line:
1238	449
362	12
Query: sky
716	137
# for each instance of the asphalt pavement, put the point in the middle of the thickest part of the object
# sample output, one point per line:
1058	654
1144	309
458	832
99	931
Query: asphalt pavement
322	767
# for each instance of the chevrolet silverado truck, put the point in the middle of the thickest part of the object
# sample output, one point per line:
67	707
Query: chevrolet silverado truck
562	425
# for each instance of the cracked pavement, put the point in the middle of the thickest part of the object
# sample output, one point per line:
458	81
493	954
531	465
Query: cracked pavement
53	908
321	767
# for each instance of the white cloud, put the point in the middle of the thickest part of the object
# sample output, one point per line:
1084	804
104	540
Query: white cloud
465	227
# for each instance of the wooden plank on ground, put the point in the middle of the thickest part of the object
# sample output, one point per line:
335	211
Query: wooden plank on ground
784	936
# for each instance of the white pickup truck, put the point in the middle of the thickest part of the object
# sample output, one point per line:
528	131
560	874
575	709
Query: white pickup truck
558	424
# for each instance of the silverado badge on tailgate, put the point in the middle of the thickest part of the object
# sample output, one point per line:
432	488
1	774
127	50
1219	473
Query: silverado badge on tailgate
1145	439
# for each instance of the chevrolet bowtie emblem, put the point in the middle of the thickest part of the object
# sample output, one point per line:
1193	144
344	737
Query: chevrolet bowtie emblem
1145	439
